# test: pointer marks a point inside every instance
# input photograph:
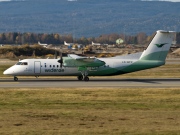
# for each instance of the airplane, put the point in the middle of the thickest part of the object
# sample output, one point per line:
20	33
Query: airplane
95	43
68	44
82	67
72	45
42	44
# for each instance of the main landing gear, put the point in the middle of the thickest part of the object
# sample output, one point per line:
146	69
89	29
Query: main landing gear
15	78
84	76
80	78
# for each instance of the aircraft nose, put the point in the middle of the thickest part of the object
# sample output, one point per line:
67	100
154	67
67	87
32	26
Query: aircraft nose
7	72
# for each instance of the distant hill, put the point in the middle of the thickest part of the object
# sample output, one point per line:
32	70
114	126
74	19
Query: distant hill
88	18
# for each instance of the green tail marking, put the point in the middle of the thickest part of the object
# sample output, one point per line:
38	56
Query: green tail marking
160	45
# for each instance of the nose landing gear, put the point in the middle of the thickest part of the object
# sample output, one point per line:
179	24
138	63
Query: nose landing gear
15	78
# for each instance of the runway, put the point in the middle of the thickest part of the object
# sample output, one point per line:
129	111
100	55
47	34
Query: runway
94	82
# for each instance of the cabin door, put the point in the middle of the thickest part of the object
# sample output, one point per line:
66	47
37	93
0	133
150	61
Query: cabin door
37	67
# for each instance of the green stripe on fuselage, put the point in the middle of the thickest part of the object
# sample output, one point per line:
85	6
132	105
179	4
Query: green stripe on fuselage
136	66
152	60
142	65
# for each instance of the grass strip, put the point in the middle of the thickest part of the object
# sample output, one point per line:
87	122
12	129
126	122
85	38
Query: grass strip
90	111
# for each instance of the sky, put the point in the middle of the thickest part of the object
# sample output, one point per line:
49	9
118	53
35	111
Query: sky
141	0
163	0
11	0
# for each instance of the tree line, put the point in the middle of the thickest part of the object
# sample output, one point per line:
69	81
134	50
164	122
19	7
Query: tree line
55	38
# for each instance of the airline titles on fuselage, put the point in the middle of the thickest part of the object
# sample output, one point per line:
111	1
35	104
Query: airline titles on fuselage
127	61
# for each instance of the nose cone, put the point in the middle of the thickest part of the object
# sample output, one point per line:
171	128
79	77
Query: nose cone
8	72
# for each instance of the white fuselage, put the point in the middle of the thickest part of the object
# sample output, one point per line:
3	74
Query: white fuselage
50	67
42	44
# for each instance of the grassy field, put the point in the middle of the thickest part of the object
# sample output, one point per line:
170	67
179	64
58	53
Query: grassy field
90	111
3	68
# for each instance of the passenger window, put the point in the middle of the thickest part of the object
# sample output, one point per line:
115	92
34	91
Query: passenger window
57	66
50	66
45	65
53	65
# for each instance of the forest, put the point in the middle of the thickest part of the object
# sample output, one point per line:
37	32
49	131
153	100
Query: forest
15	38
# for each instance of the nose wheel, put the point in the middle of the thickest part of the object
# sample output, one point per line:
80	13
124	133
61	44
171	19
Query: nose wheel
15	78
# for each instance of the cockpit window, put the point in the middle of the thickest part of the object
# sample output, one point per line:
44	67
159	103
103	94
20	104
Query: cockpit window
22	63
19	63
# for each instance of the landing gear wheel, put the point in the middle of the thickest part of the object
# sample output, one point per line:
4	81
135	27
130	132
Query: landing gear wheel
86	78
80	78
84	75
15	78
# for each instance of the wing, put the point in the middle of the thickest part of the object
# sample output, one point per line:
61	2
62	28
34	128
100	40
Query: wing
78	61
76	57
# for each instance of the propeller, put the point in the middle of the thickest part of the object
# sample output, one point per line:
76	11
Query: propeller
61	59
55	55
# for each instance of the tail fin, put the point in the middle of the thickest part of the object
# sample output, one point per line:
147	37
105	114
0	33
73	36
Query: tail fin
159	46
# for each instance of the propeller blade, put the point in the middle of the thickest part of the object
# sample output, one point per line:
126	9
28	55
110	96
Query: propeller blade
55	54
61	59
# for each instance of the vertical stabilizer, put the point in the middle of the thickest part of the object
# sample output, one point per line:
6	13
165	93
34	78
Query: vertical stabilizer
159	46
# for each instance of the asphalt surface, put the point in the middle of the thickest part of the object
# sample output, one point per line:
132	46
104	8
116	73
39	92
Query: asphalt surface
94	82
